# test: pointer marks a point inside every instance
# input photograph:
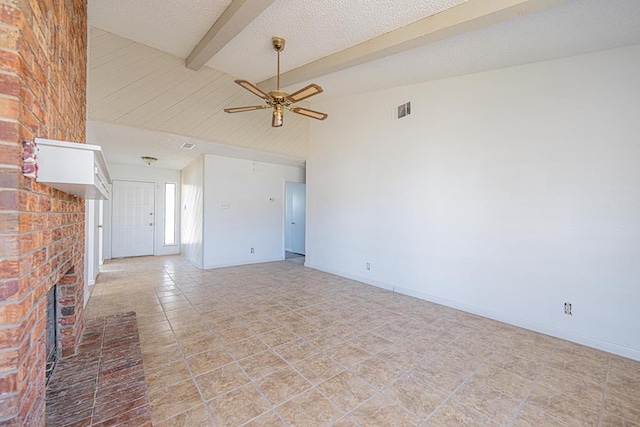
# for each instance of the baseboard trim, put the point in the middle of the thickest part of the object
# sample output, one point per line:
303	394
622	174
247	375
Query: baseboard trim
588	341
261	261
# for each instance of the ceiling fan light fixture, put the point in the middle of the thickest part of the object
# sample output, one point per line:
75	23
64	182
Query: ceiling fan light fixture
278	116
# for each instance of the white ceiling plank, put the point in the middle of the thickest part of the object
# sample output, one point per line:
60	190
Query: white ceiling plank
457	20
233	20
136	94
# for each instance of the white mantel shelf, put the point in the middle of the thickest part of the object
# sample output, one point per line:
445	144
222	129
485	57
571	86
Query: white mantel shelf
78	169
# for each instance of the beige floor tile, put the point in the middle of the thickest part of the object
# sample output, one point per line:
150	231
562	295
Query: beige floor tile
414	395
157	356
208	361
175	399
157	340
198	416
499	379
624	405
282	385
295	351
526	367
277	337
310	409
318	368
154	328
346	390
262	325
495	405
453	414
347	354
149	319
382	411
623	382
220	324
166	375
268	419
221	380
400	357
371	342
246	348
394	332
564	408
198	344
459	361
438	376
238	406
324	339
345	422
376	372
576	387
612	420
261	364
531	416
237	333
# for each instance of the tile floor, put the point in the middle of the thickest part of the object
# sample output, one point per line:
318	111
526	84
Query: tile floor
281	344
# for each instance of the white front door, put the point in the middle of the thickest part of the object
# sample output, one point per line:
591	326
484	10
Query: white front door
134	218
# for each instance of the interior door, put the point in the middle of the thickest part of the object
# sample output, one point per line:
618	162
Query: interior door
133	218
298	215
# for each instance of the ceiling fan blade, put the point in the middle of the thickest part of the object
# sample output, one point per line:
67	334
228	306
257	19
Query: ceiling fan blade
304	93
243	109
309	113
253	89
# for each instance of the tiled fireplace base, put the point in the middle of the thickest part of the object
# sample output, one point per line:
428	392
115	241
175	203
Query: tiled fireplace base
103	384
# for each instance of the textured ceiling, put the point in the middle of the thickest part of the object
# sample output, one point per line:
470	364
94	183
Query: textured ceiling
135	86
172	26
573	28
315	29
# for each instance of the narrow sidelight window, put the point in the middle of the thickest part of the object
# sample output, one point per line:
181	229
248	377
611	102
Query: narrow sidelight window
169	213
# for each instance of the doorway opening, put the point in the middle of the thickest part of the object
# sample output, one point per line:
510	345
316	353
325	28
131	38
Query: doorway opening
295	221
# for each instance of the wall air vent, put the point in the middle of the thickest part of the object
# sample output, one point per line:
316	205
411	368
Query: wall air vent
403	110
187	146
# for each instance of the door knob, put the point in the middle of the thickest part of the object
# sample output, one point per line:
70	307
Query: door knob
293	223
100	226
150	223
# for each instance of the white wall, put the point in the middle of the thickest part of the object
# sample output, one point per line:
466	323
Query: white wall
505	193
192	207
159	177
238	212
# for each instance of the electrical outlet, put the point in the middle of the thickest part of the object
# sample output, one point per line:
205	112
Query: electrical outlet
253	251
567	308
368	266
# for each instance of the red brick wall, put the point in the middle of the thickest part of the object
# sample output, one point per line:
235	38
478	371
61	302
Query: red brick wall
43	46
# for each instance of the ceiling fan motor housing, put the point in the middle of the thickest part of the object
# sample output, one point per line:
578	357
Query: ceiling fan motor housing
277	43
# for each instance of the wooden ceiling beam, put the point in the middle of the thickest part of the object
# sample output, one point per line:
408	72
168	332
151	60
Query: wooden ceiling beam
469	16
233	20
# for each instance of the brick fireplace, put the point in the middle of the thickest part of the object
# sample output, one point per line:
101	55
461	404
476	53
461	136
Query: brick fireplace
43	60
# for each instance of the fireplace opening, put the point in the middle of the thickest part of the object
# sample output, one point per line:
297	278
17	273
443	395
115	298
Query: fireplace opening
51	332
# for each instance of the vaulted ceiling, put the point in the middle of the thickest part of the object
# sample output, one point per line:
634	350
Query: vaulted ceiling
167	66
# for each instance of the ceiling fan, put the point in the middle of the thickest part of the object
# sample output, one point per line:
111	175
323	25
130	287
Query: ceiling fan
277	99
